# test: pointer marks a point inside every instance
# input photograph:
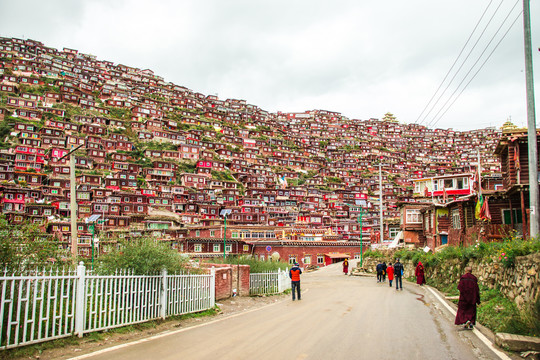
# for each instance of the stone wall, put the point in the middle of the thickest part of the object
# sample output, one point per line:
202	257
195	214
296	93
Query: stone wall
520	283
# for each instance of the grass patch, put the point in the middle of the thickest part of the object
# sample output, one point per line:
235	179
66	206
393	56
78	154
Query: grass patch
501	314
31	351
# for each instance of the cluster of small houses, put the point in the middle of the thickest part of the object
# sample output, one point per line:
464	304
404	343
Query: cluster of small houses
159	159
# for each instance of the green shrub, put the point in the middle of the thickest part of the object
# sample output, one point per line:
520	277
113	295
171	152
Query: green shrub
256	265
142	255
373	254
25	246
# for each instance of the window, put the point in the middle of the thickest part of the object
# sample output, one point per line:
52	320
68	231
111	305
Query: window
516	216
217	248
307	259
212	233
292	259
413	216
198	233
246	248
197	248
456	223
228	248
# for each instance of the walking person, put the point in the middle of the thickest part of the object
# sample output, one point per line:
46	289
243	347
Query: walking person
398	274
346	266
419	273
294	274
390	272
379	272
469	297
384	271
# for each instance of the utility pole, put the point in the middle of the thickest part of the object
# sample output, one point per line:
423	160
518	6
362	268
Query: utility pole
361	236
531	123
73	198
381	204
73	205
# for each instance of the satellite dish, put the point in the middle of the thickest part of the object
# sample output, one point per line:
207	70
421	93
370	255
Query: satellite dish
275	256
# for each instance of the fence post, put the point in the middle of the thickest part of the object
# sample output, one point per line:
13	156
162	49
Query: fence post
213	287
163	300
80	300
280	281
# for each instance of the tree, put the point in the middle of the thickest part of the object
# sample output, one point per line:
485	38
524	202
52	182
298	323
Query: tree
25	246
143	255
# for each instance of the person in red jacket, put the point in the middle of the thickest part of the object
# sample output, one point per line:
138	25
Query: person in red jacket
390	272
294	274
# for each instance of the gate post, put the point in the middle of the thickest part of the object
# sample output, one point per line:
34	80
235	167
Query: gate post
80	300
213	287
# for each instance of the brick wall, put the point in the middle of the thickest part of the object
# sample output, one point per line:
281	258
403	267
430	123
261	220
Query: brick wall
227	280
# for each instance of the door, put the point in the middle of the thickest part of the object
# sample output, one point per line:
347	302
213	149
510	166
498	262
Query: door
444	239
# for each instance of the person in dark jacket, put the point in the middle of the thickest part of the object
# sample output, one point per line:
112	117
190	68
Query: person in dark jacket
379	272
398	274
469	297
294	274
384	267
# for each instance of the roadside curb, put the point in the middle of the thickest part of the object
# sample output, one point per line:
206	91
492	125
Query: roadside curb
483	333
517	342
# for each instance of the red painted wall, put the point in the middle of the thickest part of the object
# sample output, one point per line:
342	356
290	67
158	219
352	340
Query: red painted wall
301	251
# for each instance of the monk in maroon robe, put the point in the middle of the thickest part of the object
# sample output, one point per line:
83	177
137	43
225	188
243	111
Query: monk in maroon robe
346	266
469	297
419	272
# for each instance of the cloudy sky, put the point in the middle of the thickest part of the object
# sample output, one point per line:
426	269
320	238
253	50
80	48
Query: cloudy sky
360	58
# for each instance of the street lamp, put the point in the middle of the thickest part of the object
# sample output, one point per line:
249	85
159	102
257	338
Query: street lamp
224	213
92	221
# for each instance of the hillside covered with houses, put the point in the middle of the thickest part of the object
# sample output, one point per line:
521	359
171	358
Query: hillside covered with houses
159	159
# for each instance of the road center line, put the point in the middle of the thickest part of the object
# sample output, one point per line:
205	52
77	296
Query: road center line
481	336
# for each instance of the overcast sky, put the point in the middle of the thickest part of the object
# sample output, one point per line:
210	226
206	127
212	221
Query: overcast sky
360	58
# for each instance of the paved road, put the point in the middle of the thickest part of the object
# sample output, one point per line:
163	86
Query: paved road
339	317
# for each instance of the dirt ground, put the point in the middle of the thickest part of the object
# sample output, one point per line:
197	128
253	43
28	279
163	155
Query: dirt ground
88	343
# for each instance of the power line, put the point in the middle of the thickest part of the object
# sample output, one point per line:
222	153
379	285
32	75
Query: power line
464	61
455	61
476	73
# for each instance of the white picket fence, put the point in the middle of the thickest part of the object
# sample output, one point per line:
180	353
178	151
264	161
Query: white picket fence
51	305
269	282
